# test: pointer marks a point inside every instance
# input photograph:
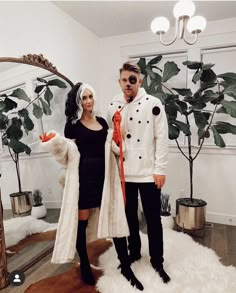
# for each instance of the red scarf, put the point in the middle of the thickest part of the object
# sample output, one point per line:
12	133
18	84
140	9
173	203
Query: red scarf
117	137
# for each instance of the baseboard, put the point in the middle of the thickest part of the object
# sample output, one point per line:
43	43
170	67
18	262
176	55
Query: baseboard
53	204
217	218
221	219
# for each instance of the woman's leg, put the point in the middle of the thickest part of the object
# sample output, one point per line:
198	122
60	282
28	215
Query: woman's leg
81	247
122	253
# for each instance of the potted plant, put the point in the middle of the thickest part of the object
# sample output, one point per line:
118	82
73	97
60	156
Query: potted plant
14	122
215	95
166	217
38	210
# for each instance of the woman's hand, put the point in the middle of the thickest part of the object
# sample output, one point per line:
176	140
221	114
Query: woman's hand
46	136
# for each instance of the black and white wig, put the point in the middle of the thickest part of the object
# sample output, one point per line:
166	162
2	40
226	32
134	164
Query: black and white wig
73	107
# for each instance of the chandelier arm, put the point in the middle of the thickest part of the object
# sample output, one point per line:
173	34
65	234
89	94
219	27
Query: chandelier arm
182	25
175	37
194	41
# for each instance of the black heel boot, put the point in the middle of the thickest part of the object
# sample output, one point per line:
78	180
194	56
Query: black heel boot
126	271
163	275
85	269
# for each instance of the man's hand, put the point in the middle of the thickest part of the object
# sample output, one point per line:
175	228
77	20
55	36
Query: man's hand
46	136
159	180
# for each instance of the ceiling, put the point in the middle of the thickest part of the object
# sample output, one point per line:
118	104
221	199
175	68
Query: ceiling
110	18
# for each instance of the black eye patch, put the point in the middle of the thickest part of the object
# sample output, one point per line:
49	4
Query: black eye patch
133	79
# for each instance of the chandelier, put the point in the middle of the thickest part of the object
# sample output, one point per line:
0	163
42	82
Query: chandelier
183	13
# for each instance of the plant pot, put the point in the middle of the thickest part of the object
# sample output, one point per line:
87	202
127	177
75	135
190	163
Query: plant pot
39	211
21	203
167	222
190	214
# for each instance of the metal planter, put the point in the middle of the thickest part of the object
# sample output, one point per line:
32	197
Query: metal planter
21	203
190	214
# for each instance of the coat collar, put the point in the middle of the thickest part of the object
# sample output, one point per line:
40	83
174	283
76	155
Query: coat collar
121	99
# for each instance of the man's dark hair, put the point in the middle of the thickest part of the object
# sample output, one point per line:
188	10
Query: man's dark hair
128	66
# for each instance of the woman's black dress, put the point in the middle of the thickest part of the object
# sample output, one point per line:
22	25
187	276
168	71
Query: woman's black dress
91	145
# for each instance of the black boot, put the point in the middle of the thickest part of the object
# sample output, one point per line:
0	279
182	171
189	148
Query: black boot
126	271
85	269
163	275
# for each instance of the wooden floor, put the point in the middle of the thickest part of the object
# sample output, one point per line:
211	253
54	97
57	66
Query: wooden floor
221	238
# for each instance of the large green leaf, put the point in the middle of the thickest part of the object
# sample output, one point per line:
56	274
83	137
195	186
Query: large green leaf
182	106
155	60
228	76
207	66
152	88
183	92
23	112
217	138
28	124
209	96
3	121
197	76
160	96
207	115
14	130
150	72
197	105
46	108
19	147
170	69
145	83
200	119
41	79
9	105
193	64
225	127
230	91
142	65
37	111
208	76
57	82
171	97
230	107
203	86
2	106
183	127
48	96
158	68
171	110
20	94
222	110
39	88
173	132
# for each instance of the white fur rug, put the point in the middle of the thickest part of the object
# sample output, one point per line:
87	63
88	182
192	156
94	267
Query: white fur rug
192	267
18	228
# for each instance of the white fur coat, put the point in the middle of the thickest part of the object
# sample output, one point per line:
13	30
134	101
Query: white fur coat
109	222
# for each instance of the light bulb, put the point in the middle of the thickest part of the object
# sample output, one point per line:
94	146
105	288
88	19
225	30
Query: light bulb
196	24
160	24
184	8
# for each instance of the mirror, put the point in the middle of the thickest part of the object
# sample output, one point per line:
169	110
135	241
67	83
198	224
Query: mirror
37	171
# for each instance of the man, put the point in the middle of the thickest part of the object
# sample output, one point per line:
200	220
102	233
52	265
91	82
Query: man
145	133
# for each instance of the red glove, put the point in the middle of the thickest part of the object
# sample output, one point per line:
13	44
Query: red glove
46	137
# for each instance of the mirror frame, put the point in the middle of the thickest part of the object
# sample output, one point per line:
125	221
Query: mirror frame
40	61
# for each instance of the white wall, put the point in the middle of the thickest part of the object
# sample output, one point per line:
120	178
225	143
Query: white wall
41	27
215	168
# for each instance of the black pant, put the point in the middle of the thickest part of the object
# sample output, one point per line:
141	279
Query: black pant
150	197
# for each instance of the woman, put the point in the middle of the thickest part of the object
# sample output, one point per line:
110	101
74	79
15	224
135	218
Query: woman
88	132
